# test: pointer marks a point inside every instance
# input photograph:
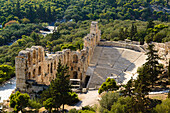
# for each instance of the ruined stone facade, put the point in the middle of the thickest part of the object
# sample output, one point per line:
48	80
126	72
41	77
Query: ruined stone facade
33	65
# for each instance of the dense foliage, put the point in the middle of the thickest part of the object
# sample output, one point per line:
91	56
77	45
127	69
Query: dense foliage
19	101
6	72
15	31
70	35
135	30
50	10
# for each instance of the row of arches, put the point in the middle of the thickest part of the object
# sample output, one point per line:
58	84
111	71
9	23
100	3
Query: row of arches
37	56
34	73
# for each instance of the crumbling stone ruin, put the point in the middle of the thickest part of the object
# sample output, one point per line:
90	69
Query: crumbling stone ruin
35	69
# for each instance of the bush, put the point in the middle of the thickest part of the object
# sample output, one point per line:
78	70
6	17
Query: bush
164	107
108	100
73	111
34	104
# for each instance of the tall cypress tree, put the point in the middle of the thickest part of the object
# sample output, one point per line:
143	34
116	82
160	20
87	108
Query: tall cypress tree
152	63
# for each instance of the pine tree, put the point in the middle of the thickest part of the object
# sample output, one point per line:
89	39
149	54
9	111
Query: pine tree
142	83
59	90
128	88
152	63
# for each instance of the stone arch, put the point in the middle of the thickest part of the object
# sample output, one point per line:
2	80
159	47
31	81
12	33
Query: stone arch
39	55
29	59
51	70
39	70
75	75
75	58
48	68
54	64
33	74
29	75
34	57
64	59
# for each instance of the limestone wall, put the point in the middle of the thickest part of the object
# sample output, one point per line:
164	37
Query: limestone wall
33	64
123	44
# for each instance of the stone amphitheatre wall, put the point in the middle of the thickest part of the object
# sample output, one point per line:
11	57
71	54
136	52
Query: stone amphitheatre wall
123	44
35	67
162	48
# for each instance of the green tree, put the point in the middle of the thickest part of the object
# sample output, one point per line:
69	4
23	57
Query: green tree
36	38
150	24
107	100
152	64
133	31
123	105
49	46
19	101
143	81
9	70
49	104
121	34
164	107
108	85
128	88
59	90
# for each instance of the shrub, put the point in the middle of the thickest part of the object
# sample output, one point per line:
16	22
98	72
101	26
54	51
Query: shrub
34	104
164	107
108	100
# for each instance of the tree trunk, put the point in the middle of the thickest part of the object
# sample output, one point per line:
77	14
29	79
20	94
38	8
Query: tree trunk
63	108
50	110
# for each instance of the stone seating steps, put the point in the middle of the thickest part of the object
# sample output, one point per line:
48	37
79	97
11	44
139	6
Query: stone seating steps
101	74
115	61
130	55
96	55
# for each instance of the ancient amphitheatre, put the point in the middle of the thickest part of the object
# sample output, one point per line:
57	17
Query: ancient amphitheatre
89	67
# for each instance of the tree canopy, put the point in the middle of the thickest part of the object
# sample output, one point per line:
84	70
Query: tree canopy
18	101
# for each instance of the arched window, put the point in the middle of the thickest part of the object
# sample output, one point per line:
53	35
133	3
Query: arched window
29	59
34	57
39	55
75	75
75	59
51	67
33	73
54	64
29	75
39	70
48	69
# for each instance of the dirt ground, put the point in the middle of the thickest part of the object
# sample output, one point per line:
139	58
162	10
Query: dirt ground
159	96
